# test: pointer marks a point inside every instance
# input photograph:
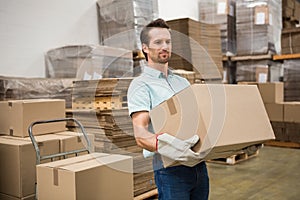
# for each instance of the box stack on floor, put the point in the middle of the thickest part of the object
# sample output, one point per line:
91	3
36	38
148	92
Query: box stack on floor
17	154
284	115
101	106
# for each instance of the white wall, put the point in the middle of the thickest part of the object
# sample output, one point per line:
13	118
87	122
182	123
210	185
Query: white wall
29	28
174	9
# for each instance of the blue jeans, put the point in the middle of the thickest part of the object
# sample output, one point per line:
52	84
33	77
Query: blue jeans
182	182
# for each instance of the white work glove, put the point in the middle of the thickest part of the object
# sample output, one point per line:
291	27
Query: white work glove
178	150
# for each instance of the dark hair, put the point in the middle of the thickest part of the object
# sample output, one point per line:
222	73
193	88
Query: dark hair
144	37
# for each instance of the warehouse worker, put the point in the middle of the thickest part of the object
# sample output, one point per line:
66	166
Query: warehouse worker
157	83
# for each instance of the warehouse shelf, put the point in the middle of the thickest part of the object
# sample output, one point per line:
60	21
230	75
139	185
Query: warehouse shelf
248	57
252	57
286	56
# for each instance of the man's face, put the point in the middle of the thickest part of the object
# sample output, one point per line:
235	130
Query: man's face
159	48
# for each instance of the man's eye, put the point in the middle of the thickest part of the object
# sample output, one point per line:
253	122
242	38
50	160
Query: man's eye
157	42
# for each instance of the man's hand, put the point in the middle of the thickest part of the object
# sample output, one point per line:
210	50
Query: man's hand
178	150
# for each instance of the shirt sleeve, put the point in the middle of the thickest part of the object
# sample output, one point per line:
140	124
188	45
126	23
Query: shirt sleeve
138	97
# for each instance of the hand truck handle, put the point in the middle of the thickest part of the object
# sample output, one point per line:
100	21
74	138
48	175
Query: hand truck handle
35	144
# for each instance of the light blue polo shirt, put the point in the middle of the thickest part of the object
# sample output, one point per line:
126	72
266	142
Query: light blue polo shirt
150	89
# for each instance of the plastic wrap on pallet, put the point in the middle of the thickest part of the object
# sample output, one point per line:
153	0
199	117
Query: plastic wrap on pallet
258	71
88	62
259	25
15	88
120	21
221	12
291	80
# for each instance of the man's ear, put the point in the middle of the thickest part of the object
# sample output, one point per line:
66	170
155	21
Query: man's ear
145	48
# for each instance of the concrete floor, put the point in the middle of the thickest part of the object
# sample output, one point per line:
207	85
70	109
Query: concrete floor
274	174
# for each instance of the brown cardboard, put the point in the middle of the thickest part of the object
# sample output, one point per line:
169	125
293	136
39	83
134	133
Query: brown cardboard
70	141
275	111
92	176
17	115
227	118
8	197
271	92
18	161
292	112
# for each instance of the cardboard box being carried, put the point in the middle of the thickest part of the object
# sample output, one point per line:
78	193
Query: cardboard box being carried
8	197
17	115
92	176
227	118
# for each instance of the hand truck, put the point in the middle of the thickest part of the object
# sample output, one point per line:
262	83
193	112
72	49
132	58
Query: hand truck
40	157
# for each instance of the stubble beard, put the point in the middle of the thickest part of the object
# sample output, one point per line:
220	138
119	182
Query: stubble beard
163	58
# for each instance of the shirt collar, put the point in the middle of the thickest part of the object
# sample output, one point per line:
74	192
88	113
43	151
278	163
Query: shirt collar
156	73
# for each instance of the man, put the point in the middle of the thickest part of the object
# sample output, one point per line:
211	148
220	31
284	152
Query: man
155	85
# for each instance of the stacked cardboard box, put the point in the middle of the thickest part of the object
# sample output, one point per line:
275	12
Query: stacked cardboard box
17	115
18	88
291	80
196	47
18	158
258	70
258	26
88	62
17	153
290	13
284	116
92	176
290	41
101	106
120	21
221	12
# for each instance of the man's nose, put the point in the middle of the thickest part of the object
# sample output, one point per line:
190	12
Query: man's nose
165	45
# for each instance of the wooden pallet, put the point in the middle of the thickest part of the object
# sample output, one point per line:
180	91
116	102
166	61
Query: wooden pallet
234	159
283	144
152	194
